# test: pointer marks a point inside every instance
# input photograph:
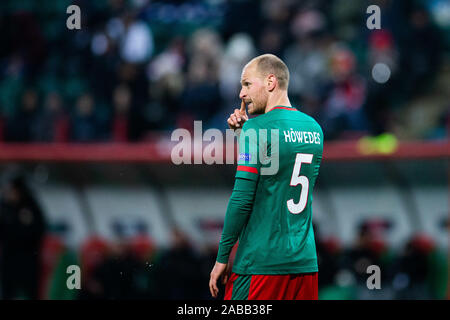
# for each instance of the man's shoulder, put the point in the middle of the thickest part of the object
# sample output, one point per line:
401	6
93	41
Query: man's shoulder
307	118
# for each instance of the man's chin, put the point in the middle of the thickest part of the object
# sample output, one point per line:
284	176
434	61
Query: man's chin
250	108
255	111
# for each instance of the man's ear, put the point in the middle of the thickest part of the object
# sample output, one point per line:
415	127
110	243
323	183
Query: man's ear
271	82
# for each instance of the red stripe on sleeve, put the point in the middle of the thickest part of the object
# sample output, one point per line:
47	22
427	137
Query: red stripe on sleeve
247	169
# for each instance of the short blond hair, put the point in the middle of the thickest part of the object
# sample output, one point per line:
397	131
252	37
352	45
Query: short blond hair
270	64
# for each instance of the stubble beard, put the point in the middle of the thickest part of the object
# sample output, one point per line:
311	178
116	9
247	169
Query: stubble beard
259	106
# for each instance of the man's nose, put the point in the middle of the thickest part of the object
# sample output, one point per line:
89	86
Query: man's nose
242	94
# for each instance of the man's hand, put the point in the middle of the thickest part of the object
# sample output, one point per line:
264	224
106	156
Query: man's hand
219	270
237	119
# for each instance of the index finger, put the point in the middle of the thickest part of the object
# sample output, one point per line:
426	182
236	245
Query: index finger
242	110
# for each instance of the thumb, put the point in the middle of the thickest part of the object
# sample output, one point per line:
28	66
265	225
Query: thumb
225	279
242	110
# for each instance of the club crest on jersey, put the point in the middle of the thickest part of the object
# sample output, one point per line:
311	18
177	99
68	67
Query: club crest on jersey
245	157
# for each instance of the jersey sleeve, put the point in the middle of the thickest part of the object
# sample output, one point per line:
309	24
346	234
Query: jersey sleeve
248	166
239	208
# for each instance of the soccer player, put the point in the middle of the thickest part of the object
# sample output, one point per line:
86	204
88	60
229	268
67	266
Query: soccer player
270	211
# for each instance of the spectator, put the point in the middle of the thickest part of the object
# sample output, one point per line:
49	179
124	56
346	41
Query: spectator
145	276
93	253
23	125
121	104
344	105
22	227
201	97
307	56
167	81
52	123
239	49
370	248
421	52
176	282
414	270
115	274
85	123
329	256
137	43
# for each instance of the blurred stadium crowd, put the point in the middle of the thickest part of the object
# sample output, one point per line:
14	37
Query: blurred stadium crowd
138	66
34	260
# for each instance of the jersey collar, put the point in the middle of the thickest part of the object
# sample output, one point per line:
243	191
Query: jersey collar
283	108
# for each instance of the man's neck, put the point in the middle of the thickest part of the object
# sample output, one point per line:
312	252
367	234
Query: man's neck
280	101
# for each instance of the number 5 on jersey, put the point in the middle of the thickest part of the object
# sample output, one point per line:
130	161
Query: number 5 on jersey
297	179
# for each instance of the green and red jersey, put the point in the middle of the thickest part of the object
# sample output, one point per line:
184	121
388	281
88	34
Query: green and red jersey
270	209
